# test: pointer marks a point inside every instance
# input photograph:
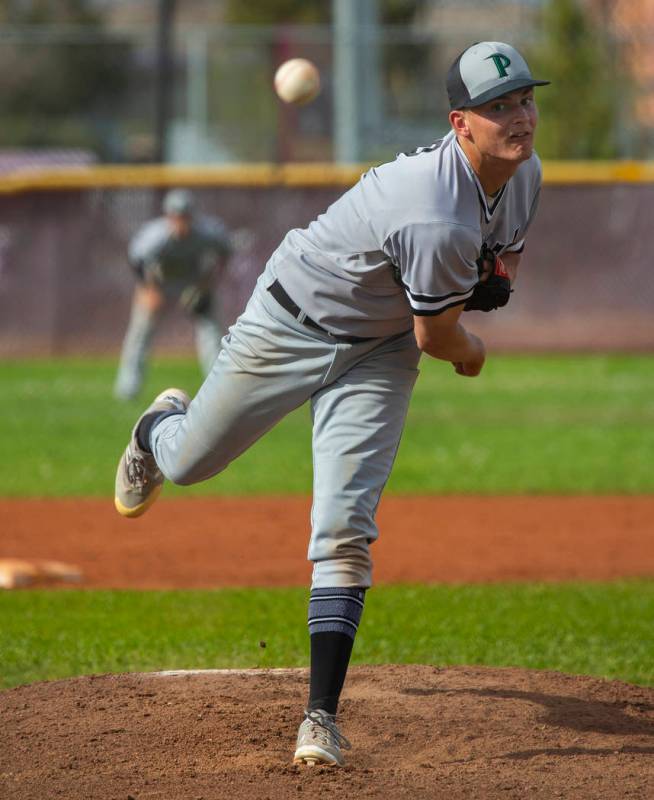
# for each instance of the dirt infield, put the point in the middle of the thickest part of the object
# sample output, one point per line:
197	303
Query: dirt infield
417	731
201	542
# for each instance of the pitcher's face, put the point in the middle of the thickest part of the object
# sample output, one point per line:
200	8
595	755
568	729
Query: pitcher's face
503	128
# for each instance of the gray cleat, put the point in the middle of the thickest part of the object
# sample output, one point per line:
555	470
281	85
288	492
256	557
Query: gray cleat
319	741
139	479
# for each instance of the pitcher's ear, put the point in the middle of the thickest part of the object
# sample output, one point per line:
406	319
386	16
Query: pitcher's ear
459	122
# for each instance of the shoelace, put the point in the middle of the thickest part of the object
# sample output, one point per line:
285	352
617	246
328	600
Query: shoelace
329	727
136	472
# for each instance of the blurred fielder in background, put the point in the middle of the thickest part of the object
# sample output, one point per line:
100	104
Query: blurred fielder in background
339	318
176	258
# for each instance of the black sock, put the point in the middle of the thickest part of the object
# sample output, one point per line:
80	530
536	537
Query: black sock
334	616
148	422
330	657
144	428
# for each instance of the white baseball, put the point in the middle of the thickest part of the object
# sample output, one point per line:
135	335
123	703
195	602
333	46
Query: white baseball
297	81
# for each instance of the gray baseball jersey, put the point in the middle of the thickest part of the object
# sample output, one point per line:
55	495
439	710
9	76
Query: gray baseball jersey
174	264
404	240
181	260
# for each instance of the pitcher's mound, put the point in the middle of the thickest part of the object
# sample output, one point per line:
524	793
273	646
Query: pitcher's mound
416	731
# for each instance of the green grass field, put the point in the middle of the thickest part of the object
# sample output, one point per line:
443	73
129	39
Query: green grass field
527	425
595	629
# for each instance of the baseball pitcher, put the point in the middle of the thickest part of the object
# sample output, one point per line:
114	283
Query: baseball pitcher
176	258
339	318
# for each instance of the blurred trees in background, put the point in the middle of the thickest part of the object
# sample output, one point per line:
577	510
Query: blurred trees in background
46	79
81	73
579	112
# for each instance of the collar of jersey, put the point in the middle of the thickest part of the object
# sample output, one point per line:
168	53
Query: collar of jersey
488	210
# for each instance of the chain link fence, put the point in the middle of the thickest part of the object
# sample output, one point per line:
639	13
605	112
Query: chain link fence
96	87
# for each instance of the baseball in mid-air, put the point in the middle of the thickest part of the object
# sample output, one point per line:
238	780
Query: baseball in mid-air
297	81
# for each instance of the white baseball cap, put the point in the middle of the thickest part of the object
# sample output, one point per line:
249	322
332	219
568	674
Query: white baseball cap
487	70
178	201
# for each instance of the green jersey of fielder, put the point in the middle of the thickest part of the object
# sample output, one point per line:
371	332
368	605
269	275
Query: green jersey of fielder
340	317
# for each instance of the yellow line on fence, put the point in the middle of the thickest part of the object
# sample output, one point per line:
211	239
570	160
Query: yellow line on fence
580	172
120	176
264	175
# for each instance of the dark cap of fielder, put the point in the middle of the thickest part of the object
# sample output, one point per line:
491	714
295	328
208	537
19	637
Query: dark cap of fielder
487	70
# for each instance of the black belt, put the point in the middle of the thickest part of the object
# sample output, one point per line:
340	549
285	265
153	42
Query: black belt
279	293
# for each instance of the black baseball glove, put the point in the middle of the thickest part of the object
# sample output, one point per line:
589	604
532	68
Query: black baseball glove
494	287
147	271
195	300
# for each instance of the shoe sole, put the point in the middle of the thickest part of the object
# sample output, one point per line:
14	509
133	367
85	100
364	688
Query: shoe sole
136	511
315	755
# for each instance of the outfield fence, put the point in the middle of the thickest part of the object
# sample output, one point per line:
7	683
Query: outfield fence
586	281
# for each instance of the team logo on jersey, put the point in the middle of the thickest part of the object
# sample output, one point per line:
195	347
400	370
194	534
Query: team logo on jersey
501	62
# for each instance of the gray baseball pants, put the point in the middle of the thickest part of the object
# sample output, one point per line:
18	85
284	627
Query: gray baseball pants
137	343
271	364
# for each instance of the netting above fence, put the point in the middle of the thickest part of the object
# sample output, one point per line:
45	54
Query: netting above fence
586	281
